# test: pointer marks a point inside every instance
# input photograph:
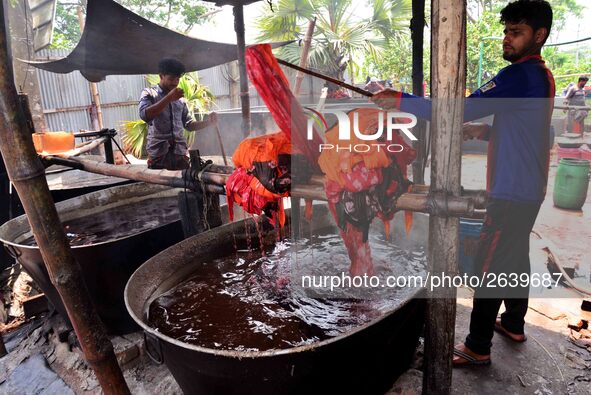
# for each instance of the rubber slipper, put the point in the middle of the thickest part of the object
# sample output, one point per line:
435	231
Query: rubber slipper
505	333
469	360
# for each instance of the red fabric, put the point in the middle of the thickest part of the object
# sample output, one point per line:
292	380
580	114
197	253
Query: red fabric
246	190
272	85
360	178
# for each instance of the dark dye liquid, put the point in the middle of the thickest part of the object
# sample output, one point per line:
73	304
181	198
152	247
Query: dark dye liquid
253	301
117	222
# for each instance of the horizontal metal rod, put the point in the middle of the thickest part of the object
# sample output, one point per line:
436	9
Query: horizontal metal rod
326	78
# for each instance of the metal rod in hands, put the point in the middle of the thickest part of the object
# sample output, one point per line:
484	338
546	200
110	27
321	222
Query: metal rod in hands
326	78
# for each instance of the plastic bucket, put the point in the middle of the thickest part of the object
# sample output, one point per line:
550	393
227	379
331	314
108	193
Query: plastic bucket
585	153
571	184
574	153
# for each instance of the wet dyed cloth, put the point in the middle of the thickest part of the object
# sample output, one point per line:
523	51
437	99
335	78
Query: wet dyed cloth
272	85
264	175
361	186
244	189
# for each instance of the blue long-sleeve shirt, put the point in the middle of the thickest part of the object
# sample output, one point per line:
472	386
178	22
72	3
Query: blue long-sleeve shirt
520	97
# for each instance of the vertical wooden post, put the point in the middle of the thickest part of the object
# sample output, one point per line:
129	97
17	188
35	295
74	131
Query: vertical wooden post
21	44
240	43
417	27
448	71
28	175
96	101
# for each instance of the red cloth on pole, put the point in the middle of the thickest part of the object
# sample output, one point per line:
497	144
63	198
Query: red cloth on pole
268	78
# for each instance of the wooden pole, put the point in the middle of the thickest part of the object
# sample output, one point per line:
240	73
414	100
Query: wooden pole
304	57
417	27
28	177
96	101
21	47
448	71
241	45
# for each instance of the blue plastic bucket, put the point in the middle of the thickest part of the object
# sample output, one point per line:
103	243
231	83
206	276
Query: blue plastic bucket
469	236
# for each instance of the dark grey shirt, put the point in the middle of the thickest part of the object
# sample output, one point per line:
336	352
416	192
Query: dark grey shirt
575	96
167	126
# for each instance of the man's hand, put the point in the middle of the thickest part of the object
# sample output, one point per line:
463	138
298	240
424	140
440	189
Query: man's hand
212	118
175	94
472	130
386	99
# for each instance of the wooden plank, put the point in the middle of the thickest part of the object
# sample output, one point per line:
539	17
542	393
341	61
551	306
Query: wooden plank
417	28
35	305
448	71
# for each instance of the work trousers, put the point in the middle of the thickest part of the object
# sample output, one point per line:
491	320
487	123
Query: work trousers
503	253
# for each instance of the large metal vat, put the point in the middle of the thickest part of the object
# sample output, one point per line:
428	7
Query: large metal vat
106	266
364	360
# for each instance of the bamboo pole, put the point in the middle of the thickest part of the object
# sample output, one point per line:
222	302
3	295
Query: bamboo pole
214	179
448	71
28	176
417	27
96	101
241	47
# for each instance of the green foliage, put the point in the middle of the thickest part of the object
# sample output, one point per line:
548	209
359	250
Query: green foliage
199	101
487	26
342	38
66	32
133	137
483	21
395	63
179	15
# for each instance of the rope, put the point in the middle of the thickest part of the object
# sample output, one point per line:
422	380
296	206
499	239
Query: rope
433	206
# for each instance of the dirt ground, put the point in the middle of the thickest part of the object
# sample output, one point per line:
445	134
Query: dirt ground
548	363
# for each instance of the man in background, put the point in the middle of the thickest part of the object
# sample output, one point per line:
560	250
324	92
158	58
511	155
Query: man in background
575	96
165	110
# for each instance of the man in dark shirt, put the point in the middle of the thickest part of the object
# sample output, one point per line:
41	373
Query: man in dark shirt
165	110
520	97
575	96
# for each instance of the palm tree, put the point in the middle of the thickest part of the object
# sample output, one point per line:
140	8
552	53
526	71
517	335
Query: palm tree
342	37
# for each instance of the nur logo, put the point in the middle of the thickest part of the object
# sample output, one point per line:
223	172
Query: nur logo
394	121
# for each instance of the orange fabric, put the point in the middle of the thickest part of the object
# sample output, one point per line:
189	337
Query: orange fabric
334	164
261	149
308	209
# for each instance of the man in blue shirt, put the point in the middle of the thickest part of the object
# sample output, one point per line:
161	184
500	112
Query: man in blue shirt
165	110
520	97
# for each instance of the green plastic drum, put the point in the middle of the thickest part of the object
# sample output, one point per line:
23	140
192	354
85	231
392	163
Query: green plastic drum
571	184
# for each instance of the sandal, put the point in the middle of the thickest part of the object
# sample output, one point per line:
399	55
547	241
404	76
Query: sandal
504	332
469	360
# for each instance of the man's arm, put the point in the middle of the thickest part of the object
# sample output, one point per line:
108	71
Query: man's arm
504	86
476	130
149	110
193	125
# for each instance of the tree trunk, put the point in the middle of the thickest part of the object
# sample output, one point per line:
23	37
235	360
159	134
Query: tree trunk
448	63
